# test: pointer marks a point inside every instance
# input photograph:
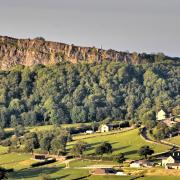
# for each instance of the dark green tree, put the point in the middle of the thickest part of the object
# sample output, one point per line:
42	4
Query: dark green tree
104	148
145	151
58	144
79	148
119	158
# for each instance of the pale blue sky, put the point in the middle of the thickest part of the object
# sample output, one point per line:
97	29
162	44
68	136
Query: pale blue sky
134	25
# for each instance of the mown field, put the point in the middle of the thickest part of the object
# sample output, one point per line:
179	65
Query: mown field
126	142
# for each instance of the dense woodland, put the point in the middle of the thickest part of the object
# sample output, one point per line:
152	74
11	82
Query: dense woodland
77	93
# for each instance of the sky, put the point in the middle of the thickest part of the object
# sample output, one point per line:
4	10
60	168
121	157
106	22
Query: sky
150	26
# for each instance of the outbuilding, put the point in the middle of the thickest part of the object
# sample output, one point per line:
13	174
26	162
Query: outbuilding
39	157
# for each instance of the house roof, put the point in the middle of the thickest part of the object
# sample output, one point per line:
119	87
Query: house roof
169	122
104	171
162	158
173	164
174	156
161	111
140	162
99	171
170	157
108	125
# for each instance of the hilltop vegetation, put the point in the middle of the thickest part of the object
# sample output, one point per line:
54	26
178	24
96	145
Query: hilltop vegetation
78	93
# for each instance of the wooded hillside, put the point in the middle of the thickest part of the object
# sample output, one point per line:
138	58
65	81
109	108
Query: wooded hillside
73	93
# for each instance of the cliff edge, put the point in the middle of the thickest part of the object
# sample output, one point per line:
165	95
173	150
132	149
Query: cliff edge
29	52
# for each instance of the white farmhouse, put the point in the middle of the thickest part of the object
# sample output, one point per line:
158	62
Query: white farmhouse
168	160
104	128
161	115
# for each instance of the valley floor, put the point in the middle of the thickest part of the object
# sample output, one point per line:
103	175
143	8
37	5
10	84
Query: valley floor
127	142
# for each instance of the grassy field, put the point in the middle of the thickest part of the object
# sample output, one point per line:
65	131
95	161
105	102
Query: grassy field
174	140
122	142
86	136
16	160
126	142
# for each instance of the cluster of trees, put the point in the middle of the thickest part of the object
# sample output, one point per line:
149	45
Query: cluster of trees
74	93
162	131
53	141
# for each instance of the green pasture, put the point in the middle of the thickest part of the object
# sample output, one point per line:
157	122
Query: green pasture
16	160
123	142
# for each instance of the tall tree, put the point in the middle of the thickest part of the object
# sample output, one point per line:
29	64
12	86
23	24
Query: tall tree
145	151
79	148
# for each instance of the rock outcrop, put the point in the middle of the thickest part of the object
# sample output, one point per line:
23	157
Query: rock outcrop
29	52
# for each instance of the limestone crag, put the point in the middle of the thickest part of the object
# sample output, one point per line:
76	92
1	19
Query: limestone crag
29	52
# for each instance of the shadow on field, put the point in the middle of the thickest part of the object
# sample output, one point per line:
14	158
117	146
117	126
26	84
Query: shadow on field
60	177
120	148
92	146
130	152
35	172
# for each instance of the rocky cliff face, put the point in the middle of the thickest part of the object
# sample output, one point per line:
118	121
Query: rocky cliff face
30	52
